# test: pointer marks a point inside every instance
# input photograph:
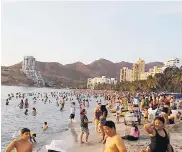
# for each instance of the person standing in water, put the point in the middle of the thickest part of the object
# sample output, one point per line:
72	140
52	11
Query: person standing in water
73	110
62	102
26	103
45	126
26	112
7	102
32	137
23	144
21	104
34	111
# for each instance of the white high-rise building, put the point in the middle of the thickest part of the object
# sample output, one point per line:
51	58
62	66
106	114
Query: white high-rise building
28	68
28	63
174	62
126	74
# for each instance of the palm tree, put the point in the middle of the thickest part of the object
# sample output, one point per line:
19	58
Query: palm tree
151	83
159	77
177	80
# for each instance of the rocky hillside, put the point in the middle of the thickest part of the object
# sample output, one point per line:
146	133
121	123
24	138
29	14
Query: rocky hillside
67	75
13	76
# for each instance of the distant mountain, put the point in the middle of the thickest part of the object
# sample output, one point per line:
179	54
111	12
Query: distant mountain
152	64
124	64
78	66
69	74
103	67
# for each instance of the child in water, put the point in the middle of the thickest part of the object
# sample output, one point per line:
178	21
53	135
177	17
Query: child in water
34	112
32	137
26	112
45	126
7	102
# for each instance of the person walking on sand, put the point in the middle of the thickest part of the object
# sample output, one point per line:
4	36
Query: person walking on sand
23	144
113	141
84	126
118	112
103	120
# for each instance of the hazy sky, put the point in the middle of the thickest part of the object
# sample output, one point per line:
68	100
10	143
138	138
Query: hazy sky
66	32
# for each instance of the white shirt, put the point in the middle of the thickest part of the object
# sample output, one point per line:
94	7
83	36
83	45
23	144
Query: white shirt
73	109
135	101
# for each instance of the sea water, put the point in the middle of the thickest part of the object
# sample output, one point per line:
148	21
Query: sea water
13	118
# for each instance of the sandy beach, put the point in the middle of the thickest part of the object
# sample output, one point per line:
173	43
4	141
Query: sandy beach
72	138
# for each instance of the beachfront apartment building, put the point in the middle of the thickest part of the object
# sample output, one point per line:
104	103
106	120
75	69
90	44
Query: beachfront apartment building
176	62
92	82
144	75
126	74
138	70
133	74
141	66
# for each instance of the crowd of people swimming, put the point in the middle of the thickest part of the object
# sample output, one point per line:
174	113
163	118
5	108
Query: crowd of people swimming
156	110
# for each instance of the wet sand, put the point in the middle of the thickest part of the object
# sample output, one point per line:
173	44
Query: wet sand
132	146
71	137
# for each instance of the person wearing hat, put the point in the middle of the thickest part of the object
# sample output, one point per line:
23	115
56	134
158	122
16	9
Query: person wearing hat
55	146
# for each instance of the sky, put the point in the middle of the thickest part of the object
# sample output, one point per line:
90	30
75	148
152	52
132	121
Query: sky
67	32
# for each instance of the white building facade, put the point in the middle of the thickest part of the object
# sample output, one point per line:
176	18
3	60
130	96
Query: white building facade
176	62
92	82
28	68
144	75
28	63
126	74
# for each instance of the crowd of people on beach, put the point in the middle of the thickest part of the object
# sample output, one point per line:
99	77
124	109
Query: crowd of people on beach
151	110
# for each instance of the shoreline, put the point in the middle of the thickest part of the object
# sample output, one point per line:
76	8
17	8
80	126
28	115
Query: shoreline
132	146
24	86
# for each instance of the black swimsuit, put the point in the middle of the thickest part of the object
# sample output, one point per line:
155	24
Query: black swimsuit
159	143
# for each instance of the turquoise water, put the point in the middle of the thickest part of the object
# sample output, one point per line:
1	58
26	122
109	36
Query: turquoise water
13	118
